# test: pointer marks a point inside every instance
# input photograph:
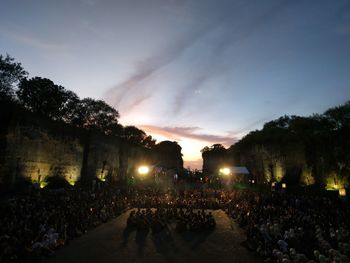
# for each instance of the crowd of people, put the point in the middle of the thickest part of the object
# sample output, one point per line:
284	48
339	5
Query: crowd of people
160	218
36	224
190	199
280	227
289	228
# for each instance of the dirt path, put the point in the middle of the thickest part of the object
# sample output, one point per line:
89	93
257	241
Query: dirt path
110	242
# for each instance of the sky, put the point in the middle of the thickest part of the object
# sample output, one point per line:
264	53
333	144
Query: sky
195	71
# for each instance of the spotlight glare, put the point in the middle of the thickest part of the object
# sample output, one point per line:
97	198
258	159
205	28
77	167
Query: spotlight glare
143	170
342	192
43	185
225	171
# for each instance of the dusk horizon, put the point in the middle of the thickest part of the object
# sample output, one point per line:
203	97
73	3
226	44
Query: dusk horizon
163	131
196	72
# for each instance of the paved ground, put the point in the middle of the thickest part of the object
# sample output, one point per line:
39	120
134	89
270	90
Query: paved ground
111	242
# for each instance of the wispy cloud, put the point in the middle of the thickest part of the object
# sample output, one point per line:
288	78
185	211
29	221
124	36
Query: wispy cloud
253	125
137	88
125	93
184	95
230	32
31	40
181	133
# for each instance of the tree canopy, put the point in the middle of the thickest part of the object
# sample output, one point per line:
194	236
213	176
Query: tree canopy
169	155
11	73
96	115
138	136
43	97
293	148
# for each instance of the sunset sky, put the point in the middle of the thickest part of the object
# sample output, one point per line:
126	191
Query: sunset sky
196	71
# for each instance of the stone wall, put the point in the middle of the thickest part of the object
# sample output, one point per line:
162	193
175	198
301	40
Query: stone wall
102	157
33	153
36	149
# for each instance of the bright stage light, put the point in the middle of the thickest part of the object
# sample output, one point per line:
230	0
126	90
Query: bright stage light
225	171
143	170
43	184
342	192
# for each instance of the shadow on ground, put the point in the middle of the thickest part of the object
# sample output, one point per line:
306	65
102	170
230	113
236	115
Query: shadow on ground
112	242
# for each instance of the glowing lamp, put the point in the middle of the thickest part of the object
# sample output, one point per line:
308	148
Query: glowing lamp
225	171
71	182
253	181
43	184
342	192
273	184
284	186
143	170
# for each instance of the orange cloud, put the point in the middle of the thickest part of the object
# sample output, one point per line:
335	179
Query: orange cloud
177	133
190	140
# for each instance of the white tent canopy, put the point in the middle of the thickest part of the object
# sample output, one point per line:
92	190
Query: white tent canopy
239	170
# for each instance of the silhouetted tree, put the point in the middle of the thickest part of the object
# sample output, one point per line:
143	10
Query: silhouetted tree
169	155
317	144
69	110
11	73
133	134
339	116
116	130
42	96
96	115
149	142
339	119
137	136
214	158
